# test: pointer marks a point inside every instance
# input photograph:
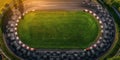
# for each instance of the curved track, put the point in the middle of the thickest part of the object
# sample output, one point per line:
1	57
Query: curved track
93	52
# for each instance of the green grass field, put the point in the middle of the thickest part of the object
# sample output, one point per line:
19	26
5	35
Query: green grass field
58	29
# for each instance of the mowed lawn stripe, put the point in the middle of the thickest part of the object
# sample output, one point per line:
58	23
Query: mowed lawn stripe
58	29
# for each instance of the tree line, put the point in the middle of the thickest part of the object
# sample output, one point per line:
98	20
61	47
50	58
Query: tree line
115	3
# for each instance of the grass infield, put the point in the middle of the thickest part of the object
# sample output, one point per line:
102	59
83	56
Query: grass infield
58	29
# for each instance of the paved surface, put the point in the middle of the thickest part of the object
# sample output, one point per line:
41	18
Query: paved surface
59	4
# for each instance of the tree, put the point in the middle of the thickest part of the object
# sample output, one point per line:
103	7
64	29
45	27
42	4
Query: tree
115	58
109	2
119	8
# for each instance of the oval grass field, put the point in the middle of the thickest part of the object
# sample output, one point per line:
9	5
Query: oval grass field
58	29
